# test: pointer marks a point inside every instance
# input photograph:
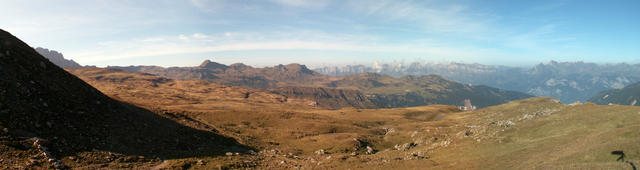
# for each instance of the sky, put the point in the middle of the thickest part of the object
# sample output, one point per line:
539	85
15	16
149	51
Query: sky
328	32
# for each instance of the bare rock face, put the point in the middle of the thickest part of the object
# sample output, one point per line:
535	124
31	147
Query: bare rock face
57	58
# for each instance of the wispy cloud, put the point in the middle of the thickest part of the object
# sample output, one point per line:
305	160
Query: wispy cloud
429	15
303	3
95	31
250	41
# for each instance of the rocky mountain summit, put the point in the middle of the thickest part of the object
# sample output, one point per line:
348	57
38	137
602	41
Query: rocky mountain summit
57	58
212	65
51	119
236	74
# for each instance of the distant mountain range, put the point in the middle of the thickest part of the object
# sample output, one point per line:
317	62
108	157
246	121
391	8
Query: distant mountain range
567	81
57	58
365	90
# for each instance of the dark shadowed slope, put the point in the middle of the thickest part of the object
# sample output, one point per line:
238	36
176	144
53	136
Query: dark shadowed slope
44	109
629	95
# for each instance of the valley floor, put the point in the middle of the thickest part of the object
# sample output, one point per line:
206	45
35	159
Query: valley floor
535	133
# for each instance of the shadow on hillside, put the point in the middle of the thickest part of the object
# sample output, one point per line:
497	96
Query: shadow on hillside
621	158
39	100
134	131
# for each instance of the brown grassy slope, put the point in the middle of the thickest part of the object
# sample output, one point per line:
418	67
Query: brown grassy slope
277	127
381	90
541	133
151	90
524	134
44	109
328	97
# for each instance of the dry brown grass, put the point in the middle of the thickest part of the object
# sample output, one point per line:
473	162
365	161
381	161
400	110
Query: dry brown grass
525	134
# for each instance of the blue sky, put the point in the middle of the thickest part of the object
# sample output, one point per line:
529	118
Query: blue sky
328	32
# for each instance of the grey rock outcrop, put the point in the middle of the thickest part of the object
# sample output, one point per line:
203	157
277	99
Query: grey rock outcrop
57	58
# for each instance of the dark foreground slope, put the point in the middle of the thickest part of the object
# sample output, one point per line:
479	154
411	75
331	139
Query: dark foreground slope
629	95
49	118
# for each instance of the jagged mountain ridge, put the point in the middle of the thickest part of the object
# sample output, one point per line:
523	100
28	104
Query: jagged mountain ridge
57	58
51	119
236	74
379	90
567	81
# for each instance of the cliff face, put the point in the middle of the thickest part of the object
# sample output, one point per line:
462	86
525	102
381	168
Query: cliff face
57	58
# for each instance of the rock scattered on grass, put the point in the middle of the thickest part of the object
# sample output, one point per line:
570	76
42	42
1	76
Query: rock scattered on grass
370	150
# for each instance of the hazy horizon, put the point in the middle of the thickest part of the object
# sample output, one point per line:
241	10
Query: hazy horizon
326	32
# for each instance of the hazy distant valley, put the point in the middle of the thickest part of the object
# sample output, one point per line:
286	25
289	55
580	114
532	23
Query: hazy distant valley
567	81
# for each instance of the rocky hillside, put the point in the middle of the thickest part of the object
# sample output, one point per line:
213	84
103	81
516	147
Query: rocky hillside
57	58
629	95
567	81
329	97
389	92
363	90
51	119
237	74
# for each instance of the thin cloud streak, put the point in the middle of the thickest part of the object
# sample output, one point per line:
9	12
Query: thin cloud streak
201	43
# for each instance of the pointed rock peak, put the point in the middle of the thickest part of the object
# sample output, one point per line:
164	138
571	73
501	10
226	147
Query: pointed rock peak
57	58
211	64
